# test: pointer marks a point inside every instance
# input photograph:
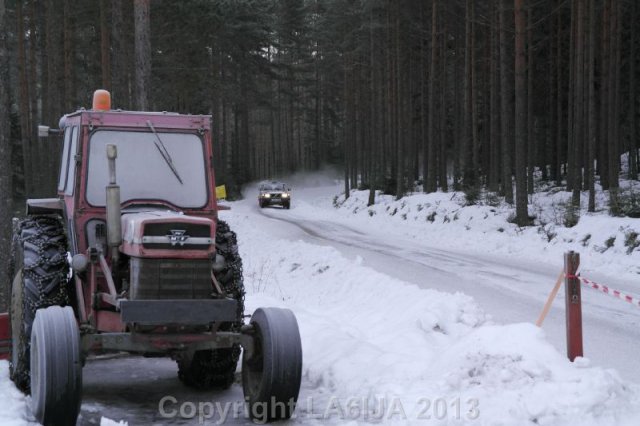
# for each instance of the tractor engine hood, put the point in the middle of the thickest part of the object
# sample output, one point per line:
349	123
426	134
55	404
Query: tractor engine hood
166	234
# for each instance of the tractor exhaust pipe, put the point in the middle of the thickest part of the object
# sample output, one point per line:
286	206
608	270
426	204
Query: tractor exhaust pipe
114	227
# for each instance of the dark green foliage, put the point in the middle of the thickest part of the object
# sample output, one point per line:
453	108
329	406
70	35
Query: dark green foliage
471	195
571	216
610	242
492	199
629	203
631	241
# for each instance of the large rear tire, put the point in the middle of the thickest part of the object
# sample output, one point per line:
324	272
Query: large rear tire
56	367
40	246
208	369
18	366
272	373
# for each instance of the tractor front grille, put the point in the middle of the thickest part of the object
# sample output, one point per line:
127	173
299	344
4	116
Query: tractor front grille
170	279
186	236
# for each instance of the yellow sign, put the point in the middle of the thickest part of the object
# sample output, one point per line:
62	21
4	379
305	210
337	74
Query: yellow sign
221	192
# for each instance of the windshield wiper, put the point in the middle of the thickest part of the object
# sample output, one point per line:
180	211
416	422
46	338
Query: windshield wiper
163	151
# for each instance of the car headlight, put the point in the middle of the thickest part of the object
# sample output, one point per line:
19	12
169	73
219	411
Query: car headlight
285	195
267	195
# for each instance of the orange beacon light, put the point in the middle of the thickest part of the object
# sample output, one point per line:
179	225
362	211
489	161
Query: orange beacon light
101	100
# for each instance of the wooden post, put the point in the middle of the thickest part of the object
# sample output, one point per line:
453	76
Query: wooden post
552	295
573	305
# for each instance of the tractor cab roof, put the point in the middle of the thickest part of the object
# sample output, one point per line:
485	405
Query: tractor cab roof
140	119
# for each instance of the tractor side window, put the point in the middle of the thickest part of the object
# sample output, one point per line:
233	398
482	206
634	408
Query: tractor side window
65	160
71	179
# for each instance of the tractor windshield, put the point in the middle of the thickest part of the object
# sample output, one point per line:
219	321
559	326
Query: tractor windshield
142	171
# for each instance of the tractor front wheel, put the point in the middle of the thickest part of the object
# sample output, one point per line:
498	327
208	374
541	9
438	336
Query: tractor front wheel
56	367
272	372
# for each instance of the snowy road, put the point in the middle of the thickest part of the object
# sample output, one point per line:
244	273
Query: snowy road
510	290
146	391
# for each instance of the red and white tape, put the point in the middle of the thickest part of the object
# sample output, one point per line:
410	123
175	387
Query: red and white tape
634	300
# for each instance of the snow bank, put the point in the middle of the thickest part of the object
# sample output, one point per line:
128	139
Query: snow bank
379	350
608	245
108	422
13	404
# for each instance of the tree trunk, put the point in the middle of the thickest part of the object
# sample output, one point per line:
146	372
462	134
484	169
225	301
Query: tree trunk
571	101
432	143
398	98
466	145
6	169
372	127
118	72
143	53
31	177
549	152
105	45
605	83
578	115
633	96
69	49
522	217
559	100
494	103
442	145
531	143
475	142
505	111
591	107
614	78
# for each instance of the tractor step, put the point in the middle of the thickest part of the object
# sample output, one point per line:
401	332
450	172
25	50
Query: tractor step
5	336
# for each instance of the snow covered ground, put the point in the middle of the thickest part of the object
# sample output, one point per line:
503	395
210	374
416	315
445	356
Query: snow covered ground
382	346
370	337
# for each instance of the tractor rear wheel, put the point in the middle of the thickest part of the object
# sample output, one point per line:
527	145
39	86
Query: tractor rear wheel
272	372
207	369
56	367
18	366
41	261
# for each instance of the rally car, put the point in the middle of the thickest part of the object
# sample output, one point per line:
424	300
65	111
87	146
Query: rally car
274	192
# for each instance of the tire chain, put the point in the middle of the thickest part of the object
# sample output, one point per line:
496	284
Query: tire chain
211	368
227	245
233	284
51	229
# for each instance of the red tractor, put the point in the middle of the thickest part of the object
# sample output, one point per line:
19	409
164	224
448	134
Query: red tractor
136	260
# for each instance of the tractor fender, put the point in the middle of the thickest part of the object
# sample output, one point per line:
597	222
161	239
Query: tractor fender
36	206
